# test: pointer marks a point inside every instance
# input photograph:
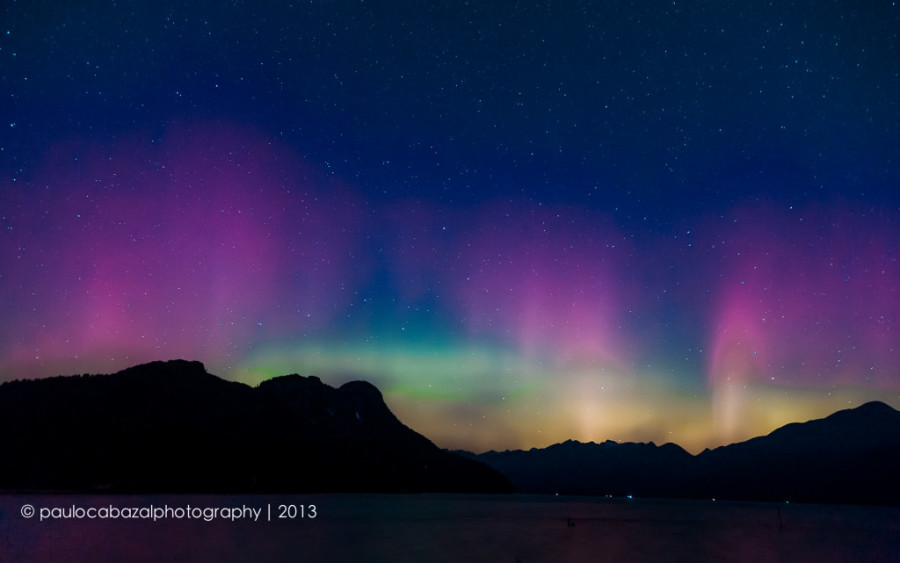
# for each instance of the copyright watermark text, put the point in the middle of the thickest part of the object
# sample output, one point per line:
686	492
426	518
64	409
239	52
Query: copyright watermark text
263	513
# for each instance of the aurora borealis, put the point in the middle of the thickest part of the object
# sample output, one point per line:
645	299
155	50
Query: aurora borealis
673	221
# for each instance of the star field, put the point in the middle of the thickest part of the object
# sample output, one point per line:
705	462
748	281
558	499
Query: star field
668	221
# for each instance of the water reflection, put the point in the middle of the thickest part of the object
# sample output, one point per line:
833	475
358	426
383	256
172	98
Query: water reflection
443	528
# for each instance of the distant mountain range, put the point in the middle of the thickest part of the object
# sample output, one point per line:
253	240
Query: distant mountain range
173	427
852	456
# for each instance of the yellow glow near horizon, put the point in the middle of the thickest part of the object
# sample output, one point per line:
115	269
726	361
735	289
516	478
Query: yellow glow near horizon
480	398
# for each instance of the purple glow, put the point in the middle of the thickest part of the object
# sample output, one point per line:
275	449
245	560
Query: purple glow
809	302
549	280
200	246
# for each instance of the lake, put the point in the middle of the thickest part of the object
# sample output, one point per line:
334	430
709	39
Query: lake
435	528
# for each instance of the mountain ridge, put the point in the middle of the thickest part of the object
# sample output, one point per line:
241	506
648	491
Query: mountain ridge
851	456
174	427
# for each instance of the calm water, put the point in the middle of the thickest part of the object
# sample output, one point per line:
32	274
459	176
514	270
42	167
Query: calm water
435	528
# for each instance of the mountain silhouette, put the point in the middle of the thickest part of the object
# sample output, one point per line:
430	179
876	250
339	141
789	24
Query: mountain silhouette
173	427
608	468
851	456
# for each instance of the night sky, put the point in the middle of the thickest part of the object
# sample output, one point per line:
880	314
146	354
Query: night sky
668	221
